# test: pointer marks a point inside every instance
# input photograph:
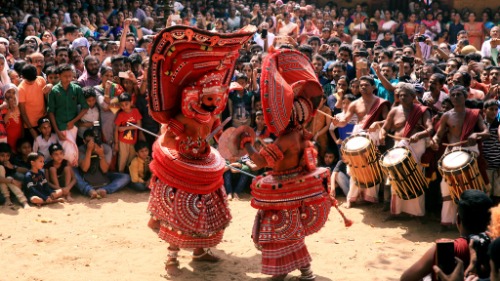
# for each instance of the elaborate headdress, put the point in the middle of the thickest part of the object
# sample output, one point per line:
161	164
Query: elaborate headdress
188	63
290	89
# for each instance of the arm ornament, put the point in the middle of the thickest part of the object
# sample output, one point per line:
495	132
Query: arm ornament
271	153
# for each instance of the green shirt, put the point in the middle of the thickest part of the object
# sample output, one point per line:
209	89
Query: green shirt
64	103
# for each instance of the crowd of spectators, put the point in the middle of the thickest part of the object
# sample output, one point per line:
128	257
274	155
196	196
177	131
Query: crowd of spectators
73	77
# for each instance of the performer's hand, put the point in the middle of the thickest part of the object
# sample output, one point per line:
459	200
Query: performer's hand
373	127
414	139
472	139
456	275
381	139
434	145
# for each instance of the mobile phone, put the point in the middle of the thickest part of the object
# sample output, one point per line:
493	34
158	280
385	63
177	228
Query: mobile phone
263	34
408	59
259	70
420	38
445	255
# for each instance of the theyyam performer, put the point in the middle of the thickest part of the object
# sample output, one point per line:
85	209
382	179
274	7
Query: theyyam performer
190	72
292	199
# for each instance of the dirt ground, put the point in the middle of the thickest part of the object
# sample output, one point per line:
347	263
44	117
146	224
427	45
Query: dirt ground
108	239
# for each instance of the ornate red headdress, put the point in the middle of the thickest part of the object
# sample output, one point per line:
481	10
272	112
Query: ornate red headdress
288	86
187	63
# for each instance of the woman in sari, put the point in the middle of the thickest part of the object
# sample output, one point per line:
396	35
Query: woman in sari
475	31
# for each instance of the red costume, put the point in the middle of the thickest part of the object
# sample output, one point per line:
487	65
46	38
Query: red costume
187	193
293	203
375	112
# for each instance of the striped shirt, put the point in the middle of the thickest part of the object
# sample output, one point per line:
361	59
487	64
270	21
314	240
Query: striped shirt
491	146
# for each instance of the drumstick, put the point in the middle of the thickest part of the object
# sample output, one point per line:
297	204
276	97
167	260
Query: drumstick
326	114
458	143
398	138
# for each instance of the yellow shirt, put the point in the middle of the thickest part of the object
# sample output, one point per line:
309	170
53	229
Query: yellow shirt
136	170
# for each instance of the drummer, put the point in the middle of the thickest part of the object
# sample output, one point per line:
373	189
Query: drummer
371	112
412	125
465	127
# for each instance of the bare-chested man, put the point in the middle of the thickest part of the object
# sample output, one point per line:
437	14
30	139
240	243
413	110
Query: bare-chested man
371	112
412	123
459	124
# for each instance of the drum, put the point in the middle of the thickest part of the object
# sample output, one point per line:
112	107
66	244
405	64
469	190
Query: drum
360	155
460	171
404	173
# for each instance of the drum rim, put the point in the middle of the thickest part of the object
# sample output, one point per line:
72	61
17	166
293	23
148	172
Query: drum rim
408	153
344	142
471	160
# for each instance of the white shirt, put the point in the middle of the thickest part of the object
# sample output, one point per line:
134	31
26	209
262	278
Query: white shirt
438	104
270	39
42	145
486	49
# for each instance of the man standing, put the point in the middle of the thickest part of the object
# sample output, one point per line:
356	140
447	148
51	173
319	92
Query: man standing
459	124
371	112
63	111
90	77
434	98
31	100
412	123
492	43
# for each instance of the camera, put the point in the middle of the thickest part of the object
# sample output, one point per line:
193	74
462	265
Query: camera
97	132
481	242
263	34
420	38
408	59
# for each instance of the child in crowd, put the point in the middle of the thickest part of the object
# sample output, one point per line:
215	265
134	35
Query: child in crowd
491	147
23	148
139	167
59	174
347	130
12	117
126	136
45	139
35	184
52	75
9	183
92	115
242	181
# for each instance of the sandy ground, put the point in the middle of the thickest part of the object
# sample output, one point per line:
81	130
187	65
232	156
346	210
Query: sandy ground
108	240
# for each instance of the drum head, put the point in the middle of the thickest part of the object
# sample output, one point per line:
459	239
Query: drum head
355	143
394	156
456	159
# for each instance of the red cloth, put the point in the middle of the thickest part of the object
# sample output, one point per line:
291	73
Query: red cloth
416	113
282	258
470	122
128	136
471	117
375	112
14	127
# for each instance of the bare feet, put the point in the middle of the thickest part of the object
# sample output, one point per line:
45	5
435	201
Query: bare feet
93	194
172	267
154	224
236	197
26	205
101	193
56	194
37	200
230	197
199	254
8	202
348	204
69	198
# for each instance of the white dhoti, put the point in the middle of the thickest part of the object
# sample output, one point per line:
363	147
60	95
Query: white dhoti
416	206
449	209
69	146
357	193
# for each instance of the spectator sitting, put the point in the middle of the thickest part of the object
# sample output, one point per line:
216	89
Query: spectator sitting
93	179
473	217
45	139
35	184
23	148
243	181
7	183
139	167
60	174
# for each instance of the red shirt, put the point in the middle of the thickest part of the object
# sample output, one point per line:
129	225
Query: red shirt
128	136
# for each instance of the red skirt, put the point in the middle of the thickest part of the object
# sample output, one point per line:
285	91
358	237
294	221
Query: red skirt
189	220
282	258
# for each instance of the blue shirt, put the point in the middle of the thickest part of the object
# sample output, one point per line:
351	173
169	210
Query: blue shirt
383	92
